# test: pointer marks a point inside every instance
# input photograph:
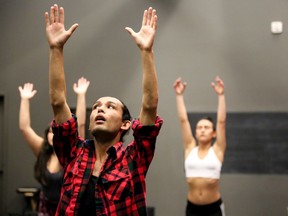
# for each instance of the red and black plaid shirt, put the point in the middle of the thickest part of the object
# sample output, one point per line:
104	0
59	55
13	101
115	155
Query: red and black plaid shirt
121	188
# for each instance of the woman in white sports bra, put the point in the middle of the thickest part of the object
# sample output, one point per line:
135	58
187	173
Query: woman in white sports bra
203	157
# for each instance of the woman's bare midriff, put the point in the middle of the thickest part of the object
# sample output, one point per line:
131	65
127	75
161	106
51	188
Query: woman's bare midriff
202	191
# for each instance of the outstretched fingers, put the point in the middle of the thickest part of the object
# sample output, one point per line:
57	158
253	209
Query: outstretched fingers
83	82
144	20
150	18
55	15
52	9
130	30
27	90
81	86
145	37
154	19
47	22
73	28
62	15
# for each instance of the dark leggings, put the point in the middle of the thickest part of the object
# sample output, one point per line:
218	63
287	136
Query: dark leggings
213	209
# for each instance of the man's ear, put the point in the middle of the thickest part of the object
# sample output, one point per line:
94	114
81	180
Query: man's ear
126	125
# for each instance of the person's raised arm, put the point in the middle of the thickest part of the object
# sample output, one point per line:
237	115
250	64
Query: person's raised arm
187	135
80	88
57	37
34	141
220	142
144	40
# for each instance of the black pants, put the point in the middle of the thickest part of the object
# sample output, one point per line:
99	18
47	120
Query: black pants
213	209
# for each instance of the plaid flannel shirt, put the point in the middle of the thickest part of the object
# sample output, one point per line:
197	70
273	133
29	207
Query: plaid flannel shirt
121	188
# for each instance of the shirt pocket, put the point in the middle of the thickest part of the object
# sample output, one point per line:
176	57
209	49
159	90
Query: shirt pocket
117	185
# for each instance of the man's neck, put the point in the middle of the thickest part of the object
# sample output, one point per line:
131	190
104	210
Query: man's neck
101	148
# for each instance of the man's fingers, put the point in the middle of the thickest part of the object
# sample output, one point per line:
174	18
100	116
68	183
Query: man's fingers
47	22
155	20
130	30
73	28
62	15
56	16
144	20
149	16
51	14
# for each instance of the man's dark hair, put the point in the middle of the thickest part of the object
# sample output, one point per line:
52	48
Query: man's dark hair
125	116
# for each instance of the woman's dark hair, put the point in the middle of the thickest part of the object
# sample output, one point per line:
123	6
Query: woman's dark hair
125	116
43	157
209	119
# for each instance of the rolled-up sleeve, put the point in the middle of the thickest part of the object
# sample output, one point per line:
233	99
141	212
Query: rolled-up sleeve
65	139
145	140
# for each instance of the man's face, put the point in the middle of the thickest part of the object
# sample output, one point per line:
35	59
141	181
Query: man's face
106	116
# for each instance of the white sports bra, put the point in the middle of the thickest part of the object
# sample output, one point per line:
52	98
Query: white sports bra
208	167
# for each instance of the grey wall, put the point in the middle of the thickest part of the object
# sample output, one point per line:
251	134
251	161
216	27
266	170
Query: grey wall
196	40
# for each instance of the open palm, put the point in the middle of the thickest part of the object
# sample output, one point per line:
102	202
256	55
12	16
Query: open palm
55	29
145	37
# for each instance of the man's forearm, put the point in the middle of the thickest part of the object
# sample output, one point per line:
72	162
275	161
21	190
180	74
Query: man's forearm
56	77
150	81
150	89
57	88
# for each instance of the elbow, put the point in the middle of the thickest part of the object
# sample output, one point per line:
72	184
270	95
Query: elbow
149	108
221	124
57	103
56	99
22	129
24	125
222	121
183	120
150	104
